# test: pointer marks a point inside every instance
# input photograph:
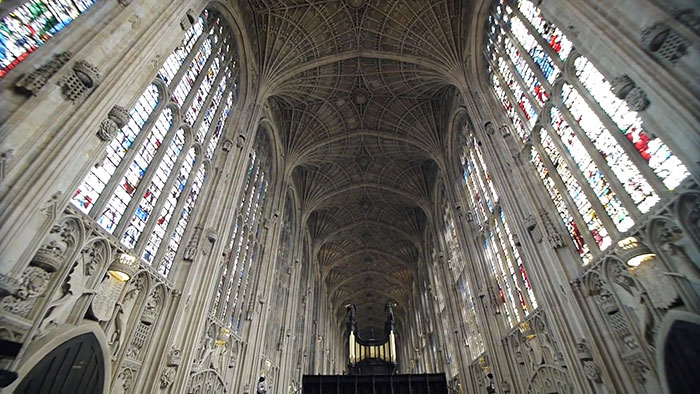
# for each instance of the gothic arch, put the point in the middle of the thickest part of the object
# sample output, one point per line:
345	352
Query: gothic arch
678	332
37	350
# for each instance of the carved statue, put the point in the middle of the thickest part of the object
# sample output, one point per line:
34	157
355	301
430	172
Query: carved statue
60	308
115	339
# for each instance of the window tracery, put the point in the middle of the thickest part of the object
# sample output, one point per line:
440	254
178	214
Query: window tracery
466	300
33	23
156	166
499	247
603	164
232	296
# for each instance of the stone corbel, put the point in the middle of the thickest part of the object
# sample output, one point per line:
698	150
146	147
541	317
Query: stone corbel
116	119
80	81
33	82
624	88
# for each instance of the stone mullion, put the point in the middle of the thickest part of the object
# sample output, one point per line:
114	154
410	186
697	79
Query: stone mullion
196	47
175	218
439	321
138	248
583	183
615	131
491	218
506	272
454	300
216	214
519	80
248	236
488	326
544	44
530	62
114	181
617	48
224	64
271	233
597	158
500	273
516	268
187	102
145	181
571	205
239	296
513	102
165	191
231	268
217	115
232	273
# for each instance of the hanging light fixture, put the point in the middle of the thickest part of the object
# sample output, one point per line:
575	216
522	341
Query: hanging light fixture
633	252
123	267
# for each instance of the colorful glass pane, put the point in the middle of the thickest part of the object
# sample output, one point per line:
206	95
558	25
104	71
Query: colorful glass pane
158	181
629	175
33	23
595	226
97	178
596	180
667	166
185	213
130	180
550	33
168	208
561	206
173	63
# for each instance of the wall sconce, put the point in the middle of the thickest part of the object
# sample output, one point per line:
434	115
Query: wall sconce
527	330
124	267
632	252
222	338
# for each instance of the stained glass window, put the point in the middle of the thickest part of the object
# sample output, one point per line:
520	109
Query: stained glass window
243	248
658	156
466	297
156	166
499	247
603	158
33	23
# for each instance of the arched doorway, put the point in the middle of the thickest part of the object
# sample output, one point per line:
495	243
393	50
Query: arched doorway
75	366
679	352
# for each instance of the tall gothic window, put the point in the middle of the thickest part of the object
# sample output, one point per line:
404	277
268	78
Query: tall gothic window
466	299
499	245
33	23
601	168
147	186
232	294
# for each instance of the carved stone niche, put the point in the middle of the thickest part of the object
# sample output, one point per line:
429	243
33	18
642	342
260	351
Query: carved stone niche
624	88
590	368
533	228
33	82
80	81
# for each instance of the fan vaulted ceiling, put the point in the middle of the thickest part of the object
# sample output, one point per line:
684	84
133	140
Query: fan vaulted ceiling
358	89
